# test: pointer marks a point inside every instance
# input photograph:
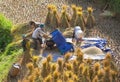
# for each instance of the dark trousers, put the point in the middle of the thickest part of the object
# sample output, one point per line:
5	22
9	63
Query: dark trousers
36	42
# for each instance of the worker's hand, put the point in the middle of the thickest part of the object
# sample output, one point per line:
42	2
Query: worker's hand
50	36
47	36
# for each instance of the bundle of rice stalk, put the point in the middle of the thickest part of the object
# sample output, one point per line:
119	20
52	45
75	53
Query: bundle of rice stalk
64	8
44	71
90	21
60	65
27	55
74	16
107	77
79	9
49	16
56	76
95	79
64	21
55	19
68	32
48	79
79	21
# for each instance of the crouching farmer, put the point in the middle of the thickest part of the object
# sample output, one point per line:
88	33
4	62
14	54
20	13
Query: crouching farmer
38	35
78	34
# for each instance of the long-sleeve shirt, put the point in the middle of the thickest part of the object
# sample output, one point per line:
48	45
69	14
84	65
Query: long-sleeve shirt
37	33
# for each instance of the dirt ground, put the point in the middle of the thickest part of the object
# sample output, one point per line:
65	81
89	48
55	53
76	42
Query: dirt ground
20	11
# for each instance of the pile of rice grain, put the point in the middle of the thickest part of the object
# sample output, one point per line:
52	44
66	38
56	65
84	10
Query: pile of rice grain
92	51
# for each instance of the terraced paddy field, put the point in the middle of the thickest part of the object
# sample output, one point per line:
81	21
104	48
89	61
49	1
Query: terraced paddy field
21	11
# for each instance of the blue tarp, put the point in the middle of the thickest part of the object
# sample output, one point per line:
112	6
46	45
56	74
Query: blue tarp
98	42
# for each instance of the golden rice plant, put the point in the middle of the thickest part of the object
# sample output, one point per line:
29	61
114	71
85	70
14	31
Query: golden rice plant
30	67
59	80
100	75
107	77
79	9
53	68
31	78
60	65
96	68
114	75
81	67
64	23
24	80
75	67
91	72
55	19
69	66
79	21
89	61
35	60
95	79
64	8
49	58
75	78
85	73
53	7
90	21
37	73
70	80
49	16
48	79
44	71
79	57
74	16
67	56
108	57
77	51
56	76
27	55
65	76
106	63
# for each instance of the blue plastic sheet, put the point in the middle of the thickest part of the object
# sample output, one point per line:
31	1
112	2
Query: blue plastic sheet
98	42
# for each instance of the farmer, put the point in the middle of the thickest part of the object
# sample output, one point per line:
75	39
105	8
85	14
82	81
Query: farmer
32	26
77	34
39	35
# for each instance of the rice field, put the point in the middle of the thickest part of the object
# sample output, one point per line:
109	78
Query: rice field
21	11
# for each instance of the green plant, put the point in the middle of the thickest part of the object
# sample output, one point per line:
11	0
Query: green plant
11	48
114	5
5	33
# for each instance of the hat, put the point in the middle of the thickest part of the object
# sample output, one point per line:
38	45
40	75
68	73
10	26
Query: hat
23	35
77	28
41	25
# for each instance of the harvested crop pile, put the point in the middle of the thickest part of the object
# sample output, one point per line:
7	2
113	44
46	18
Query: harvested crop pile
92	51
